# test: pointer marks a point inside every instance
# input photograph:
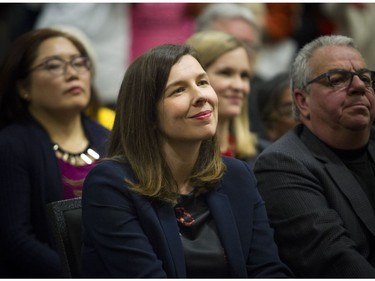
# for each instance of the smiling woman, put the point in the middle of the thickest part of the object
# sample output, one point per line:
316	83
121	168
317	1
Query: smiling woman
228	66
47	144
165	203
178	118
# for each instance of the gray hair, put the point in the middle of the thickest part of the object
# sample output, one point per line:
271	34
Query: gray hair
224	10
300	69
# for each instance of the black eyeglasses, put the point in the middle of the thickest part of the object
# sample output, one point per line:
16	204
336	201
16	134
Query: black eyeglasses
341	78
57	66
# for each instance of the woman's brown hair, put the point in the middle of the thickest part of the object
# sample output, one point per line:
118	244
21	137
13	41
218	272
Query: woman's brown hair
136	137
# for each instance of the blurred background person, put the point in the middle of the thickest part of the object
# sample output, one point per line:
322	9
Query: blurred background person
47	144
95	109
228	65
240	22
356	20
234	19
107	25
279	47
275	108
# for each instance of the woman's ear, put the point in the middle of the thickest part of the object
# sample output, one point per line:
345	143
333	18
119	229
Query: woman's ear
301	99
22	92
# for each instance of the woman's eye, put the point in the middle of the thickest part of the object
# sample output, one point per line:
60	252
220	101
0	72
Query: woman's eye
203	82
178	90
245	75
225	72
53	65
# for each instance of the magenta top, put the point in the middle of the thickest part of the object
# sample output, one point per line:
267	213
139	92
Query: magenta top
73	177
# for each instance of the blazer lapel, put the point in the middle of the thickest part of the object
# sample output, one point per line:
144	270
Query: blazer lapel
343	178
228	232
175	260
354	192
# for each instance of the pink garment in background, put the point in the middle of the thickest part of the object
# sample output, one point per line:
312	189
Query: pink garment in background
153	24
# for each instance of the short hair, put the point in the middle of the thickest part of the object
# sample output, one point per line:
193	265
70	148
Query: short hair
217	11
210	45
135	137
301	70
15	68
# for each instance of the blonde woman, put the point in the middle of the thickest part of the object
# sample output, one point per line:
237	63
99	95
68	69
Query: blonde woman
228	66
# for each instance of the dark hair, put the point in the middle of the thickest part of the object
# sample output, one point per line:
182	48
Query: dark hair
135	135
269	97
15	69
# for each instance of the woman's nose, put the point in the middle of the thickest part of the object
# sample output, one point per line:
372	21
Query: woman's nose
239	84
200	101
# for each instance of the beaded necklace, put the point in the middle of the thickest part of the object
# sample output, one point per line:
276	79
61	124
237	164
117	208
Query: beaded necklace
87	156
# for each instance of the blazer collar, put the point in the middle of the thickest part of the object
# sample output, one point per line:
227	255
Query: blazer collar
174	260
342	176
227	231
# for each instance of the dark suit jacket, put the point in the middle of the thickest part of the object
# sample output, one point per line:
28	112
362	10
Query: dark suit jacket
29	179
128	235
324	223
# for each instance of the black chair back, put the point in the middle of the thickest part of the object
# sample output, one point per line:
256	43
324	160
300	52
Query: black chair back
65	220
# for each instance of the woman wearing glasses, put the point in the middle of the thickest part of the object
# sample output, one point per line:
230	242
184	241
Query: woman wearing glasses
47	145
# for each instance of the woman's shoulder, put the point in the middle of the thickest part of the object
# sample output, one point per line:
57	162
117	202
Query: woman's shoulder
238	171
239	182
24	131
110	170
235	164
113	167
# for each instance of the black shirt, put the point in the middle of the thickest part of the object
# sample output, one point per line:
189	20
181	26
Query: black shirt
204	254
362	167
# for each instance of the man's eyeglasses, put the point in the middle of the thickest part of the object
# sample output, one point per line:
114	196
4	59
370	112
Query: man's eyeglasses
57	66
341	78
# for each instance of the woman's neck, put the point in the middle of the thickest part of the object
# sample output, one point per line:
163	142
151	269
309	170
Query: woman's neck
67	131
181	159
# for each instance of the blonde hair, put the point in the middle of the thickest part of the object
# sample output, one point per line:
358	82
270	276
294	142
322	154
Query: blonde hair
210	45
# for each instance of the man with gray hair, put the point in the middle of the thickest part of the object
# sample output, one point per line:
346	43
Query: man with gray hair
318	180
234	19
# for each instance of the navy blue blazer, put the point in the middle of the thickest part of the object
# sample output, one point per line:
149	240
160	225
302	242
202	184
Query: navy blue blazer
129	235
29	179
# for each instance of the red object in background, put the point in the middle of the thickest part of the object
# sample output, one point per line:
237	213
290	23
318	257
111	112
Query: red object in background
153	24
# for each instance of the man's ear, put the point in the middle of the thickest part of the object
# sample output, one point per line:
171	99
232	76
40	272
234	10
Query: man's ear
302	101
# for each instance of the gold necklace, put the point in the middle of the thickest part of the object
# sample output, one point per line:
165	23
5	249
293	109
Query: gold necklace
87	156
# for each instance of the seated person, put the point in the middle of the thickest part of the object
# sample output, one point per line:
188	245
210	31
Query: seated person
229	70
47	145
165	203
275	107
318	179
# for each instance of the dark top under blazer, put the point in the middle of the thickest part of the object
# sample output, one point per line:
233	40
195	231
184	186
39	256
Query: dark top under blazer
324	223
29	179
129	235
